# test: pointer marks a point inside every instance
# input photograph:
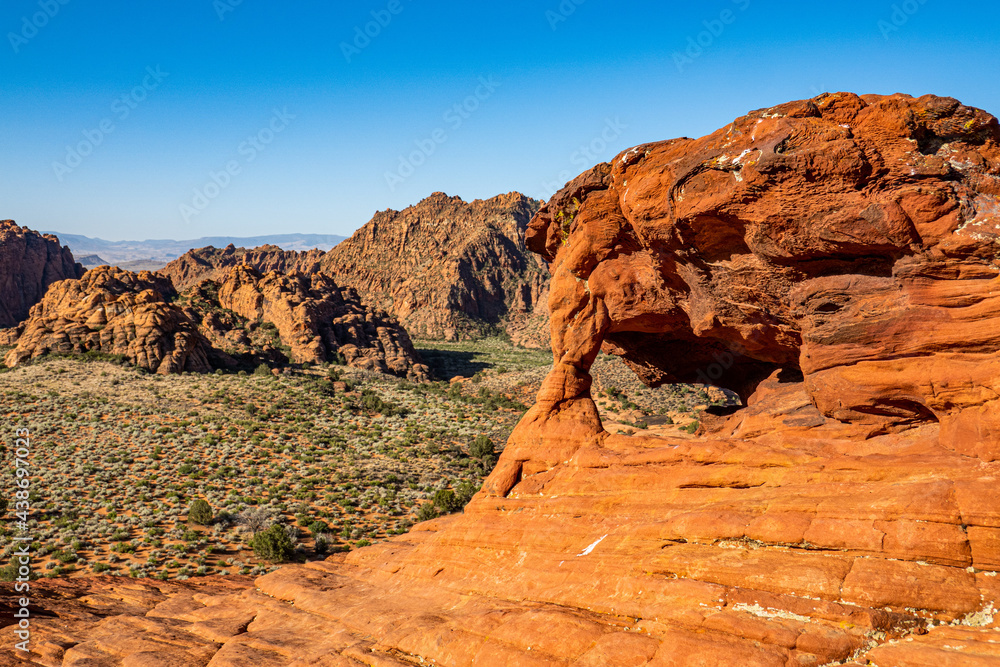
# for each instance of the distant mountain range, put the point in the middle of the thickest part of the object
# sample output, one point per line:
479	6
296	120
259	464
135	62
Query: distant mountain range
156	253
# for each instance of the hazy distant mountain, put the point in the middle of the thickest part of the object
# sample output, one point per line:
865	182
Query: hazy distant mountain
156	253
91	261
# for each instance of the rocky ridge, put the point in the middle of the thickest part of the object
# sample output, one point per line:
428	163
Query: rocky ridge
208	263
242	320
846	515
29	263
444	268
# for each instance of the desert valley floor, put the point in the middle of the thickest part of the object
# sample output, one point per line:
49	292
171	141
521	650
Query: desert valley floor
121	454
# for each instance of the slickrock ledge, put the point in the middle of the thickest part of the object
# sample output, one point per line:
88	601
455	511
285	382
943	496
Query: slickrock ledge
847	515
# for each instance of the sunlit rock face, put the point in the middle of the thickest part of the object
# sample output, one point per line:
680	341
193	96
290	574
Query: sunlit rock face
215	324
852	239
833	260
29	263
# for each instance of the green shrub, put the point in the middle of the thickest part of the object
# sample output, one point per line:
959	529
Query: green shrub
480	447
373	404
446	501
8	572
426	512
463	493
272	544
200	512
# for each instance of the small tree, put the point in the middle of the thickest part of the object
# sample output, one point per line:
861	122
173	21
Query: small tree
446	501
272	544
255	519
464	492
200	512
427	512
481	447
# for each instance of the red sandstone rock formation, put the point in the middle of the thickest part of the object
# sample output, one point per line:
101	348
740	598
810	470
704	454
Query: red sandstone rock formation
117	312
318	319
210	263
114	312
444	268
846	515
851	238
29	263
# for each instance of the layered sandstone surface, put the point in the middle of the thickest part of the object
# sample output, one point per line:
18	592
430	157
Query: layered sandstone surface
445	268
116	312
29	263
244	318
841	276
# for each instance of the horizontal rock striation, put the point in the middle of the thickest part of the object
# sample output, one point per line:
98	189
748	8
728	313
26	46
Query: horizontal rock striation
29	263
851	238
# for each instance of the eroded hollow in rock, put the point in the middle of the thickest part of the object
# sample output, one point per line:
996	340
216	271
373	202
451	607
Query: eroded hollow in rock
852	239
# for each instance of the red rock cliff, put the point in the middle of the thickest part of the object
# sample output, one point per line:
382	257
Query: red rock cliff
445	267
29	263
318	319
116	312
842	248
210	263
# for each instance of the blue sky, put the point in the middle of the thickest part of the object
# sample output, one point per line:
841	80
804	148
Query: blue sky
247	118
